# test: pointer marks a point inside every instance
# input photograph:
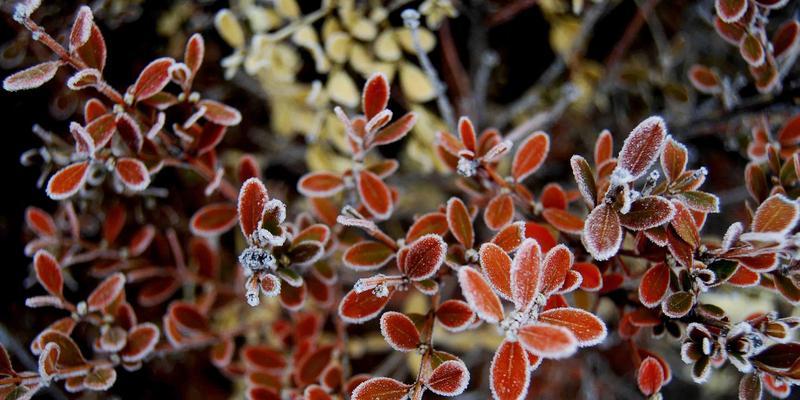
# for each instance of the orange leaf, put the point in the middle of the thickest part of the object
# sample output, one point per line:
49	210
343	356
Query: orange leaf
68	180
530	155
479	295
509	375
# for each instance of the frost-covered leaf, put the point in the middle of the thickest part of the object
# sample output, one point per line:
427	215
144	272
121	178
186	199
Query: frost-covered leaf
320	184
642	147
704	79
213	220
153	78
563	220
730	10
367	256
219	113
499	212
548	341
654	285
650	376
450	378
602	232
434	222
399	331
530	155
556	263
356	307
647	212
375	96
509	374
31	77
455	315
496	265
479	295
106	292
252	205
81	28
778	213
424	257
374	194
587	328
48	272
584	178
133	173
526	274
381	388
68	180
460	222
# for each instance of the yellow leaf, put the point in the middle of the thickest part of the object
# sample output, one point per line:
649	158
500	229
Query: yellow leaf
261	19
415	84
426	39
563	33
364	29
342	89
386	47
360	59
287	8
229	28
337	45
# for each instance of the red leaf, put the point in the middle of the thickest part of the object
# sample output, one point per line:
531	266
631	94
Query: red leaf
375	97
654	285
778	214
548	341
455	315
509	375
141	341
434	222
554	268
31	77
356	308
460	222
499	212
563	220
706	81
650	376
530	155
684	225
752	50
101	129
399	331
219	113
395	131
40	222
450	378
133	173
584	178
315	392
211	135
194	53
424	257
367	256
381	388
785	39
68	180
48	272
730	10
81	29
496	265
541	234
602	234
467	132
479	295
320	184
673	159
526	274
153	78
375	195
248	168
603	147
106	292
591	278
130	132
213	219
94	51
642	147
252	205
587	328
188	318
510	237
648	212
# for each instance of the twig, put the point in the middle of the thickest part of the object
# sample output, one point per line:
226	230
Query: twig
540	120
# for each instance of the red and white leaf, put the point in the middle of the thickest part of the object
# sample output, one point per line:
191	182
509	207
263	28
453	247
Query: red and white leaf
40	222
395	131
424	257
499	212
460	222
563	220
530	155
320	184
602	232
48	272
752	50
650	376
375	96
194	53
705	80
642	147
374	194
526	274
106	292
130	132
547	341
381	388
479	295
213	219
554	268
32	77
356	307
68	180
496	265
367	256
220	114
450	378
142	339
730	10
467	133
778	214
584	178
252	205
587	328
153	78
434	222
399	331
654	285
133	173
455	315
509	374
647	212
673	159
81	28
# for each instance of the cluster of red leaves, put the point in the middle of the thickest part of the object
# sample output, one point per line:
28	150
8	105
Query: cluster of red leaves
623	235
742	23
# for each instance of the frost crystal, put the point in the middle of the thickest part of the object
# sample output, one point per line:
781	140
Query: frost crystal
381	290
620	176
255	259
467	167
263	238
